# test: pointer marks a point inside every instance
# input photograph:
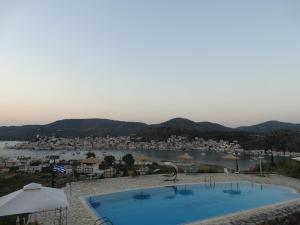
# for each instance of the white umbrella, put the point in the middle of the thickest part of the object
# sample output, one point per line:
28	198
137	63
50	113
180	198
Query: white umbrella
32	198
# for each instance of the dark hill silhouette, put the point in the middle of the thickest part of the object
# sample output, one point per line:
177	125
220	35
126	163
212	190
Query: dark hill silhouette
186	124
73	128
103	127
270	126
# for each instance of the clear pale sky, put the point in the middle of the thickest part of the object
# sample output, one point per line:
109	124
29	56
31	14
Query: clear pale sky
231	62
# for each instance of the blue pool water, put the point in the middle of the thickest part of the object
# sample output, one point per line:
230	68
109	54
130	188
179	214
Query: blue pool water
182	204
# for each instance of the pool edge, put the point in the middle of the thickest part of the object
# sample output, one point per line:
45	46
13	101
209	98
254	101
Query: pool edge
213	220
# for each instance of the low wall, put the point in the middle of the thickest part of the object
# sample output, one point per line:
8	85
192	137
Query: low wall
282	215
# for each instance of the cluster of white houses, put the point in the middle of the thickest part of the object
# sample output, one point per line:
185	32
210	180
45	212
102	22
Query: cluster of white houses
128	143
28	165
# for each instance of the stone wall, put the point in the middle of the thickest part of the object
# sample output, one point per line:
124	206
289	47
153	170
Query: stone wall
288	215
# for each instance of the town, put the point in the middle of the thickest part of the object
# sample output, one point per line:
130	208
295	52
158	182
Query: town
173	143
127	143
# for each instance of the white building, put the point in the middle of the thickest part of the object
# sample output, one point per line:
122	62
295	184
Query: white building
85	169
23	168
34	169
69	169
12	162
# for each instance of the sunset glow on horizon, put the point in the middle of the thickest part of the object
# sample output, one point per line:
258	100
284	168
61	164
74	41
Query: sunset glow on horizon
230	62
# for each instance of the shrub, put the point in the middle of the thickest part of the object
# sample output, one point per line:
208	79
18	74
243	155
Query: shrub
109	160
209	169
290	168
129	160
90	155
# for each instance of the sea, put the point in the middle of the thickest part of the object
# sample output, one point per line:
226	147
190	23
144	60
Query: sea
199	157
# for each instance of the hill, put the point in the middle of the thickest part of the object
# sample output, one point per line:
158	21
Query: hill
186	124
270	126
103	127
72	128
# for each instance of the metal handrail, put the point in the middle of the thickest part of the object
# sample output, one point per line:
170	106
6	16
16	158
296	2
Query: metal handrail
212	178
210	182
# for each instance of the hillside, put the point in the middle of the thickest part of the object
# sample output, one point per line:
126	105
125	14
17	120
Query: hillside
270	126
186	124
103	127
73	128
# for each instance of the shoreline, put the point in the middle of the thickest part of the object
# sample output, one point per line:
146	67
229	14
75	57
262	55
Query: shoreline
245	152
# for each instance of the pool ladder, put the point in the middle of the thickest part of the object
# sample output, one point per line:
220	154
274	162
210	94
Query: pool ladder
210	183
103	221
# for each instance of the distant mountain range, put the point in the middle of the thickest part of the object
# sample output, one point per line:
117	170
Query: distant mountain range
186	124
72	128
102	127
270	126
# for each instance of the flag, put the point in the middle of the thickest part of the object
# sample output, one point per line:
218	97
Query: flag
59	168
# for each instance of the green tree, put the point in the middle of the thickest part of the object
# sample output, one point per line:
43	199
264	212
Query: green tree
90	155
109	160
290	168
129	160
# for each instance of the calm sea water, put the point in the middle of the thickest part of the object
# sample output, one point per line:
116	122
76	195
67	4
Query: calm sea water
181	204
198	157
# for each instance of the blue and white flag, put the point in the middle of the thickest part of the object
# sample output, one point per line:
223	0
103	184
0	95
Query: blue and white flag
59	168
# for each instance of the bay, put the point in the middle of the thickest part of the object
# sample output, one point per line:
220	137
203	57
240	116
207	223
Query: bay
199	157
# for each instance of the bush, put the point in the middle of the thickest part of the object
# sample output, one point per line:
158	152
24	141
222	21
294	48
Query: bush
129	160
90	155
209	169
109	160
8	220
266	167
290	168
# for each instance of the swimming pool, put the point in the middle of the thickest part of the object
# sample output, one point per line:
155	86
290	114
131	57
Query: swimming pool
181	204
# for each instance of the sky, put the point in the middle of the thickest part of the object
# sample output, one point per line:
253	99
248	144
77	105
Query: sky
231	62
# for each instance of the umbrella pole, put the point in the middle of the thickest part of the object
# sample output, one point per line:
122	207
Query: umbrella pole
260	165
236	162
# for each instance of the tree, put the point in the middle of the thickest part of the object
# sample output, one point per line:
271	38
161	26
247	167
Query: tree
90	155
129	160
109	160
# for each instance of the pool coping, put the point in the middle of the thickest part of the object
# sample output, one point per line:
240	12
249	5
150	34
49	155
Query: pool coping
210	221
248	212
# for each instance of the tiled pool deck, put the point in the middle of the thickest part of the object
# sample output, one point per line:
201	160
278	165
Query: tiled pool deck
80	214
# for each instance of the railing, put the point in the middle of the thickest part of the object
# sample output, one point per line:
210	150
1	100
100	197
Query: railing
103	221
210	182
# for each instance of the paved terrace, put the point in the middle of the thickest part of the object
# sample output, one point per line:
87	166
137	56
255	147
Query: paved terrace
79	214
